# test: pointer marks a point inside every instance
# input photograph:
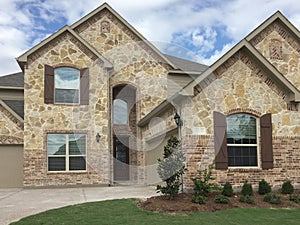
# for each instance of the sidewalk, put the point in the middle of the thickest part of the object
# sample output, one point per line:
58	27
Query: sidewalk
18	203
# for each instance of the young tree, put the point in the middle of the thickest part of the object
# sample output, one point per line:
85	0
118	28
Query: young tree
171	168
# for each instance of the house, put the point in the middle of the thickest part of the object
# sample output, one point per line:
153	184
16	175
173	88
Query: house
99	103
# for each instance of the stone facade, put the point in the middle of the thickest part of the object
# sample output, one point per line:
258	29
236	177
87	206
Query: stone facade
240	85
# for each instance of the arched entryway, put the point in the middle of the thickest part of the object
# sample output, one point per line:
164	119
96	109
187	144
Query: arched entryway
124	119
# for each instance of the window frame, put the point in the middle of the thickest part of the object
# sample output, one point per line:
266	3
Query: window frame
247	145
79	84
67	155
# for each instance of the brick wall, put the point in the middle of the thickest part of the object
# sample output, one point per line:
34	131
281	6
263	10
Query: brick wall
199	150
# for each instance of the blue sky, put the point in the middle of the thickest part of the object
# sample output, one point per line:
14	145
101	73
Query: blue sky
200	30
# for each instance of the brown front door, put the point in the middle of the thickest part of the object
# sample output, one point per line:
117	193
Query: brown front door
121	158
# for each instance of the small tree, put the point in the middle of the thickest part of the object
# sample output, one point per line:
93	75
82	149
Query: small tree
247	189
227	190
171	168
264	187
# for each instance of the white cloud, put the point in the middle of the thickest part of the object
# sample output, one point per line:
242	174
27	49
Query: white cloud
207	28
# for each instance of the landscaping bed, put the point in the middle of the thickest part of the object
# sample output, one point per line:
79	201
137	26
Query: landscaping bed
182	203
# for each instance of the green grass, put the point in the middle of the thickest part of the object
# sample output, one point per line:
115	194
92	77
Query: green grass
124	212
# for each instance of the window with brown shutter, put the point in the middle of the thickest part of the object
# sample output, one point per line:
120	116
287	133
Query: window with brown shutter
220	141
49	85
266	141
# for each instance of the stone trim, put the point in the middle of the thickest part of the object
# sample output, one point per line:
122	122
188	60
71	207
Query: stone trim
10	116
10	140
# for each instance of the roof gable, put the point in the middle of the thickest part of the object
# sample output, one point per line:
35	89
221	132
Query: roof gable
130	30
22	60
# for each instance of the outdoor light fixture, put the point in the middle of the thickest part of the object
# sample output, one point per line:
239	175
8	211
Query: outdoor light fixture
98	137
178	120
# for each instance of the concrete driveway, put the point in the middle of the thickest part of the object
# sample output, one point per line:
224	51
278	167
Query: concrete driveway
18	203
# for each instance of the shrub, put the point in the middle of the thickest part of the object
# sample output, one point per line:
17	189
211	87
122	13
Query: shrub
264	187
171	168
247	189
295	198
272	198
202	185
247	199
287	187
227	189
198	199
221	199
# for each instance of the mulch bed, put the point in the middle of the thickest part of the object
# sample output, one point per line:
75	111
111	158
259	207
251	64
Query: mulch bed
182	203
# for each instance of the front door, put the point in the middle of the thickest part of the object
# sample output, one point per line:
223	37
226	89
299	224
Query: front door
121	158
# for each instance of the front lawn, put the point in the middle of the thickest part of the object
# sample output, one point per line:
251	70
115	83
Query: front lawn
125	211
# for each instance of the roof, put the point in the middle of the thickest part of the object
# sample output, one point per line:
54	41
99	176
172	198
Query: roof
16	106
12	80
186	65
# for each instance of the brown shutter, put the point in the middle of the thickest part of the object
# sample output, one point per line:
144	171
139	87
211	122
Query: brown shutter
266	141
220	141
49	85
84	86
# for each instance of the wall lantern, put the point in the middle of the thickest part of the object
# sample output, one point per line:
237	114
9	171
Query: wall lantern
178	120
98	137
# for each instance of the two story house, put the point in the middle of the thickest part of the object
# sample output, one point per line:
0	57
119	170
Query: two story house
95	104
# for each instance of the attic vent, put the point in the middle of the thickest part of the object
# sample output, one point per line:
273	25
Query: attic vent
105	27
275	49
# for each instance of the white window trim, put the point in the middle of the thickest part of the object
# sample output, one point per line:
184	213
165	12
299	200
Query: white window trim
257	145
67	156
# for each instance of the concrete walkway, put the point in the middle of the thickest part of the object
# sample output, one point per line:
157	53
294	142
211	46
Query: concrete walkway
18	203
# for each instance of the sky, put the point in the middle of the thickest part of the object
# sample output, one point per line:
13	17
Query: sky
199	30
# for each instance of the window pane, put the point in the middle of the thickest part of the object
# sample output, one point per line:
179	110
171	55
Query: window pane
56	164
56	144
77	144
77	163
120	112
241	129
67	78
242	156
66	96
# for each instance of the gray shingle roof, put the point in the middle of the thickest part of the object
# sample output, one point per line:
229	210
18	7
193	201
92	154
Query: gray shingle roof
186	65
12	80
17	106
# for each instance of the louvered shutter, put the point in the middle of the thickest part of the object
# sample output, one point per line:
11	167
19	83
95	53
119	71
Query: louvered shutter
266	141
84	86
49	85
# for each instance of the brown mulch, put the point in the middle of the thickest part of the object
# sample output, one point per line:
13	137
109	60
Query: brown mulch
182	203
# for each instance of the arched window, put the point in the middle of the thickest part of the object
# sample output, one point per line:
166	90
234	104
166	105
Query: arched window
242	140
120	110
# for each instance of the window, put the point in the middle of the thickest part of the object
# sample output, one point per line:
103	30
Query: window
67	83
120	111
242	140
241	135
66	152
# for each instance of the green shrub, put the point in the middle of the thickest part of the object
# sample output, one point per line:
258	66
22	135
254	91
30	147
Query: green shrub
295	198
221	199
198	199
227	190
264	187
272	198
247	199
287	187
171	168
247	189
202	185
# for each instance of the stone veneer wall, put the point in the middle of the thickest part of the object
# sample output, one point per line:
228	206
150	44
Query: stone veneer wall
199	150
281	49
42	118
11	129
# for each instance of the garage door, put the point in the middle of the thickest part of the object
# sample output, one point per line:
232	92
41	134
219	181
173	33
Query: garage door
11	166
